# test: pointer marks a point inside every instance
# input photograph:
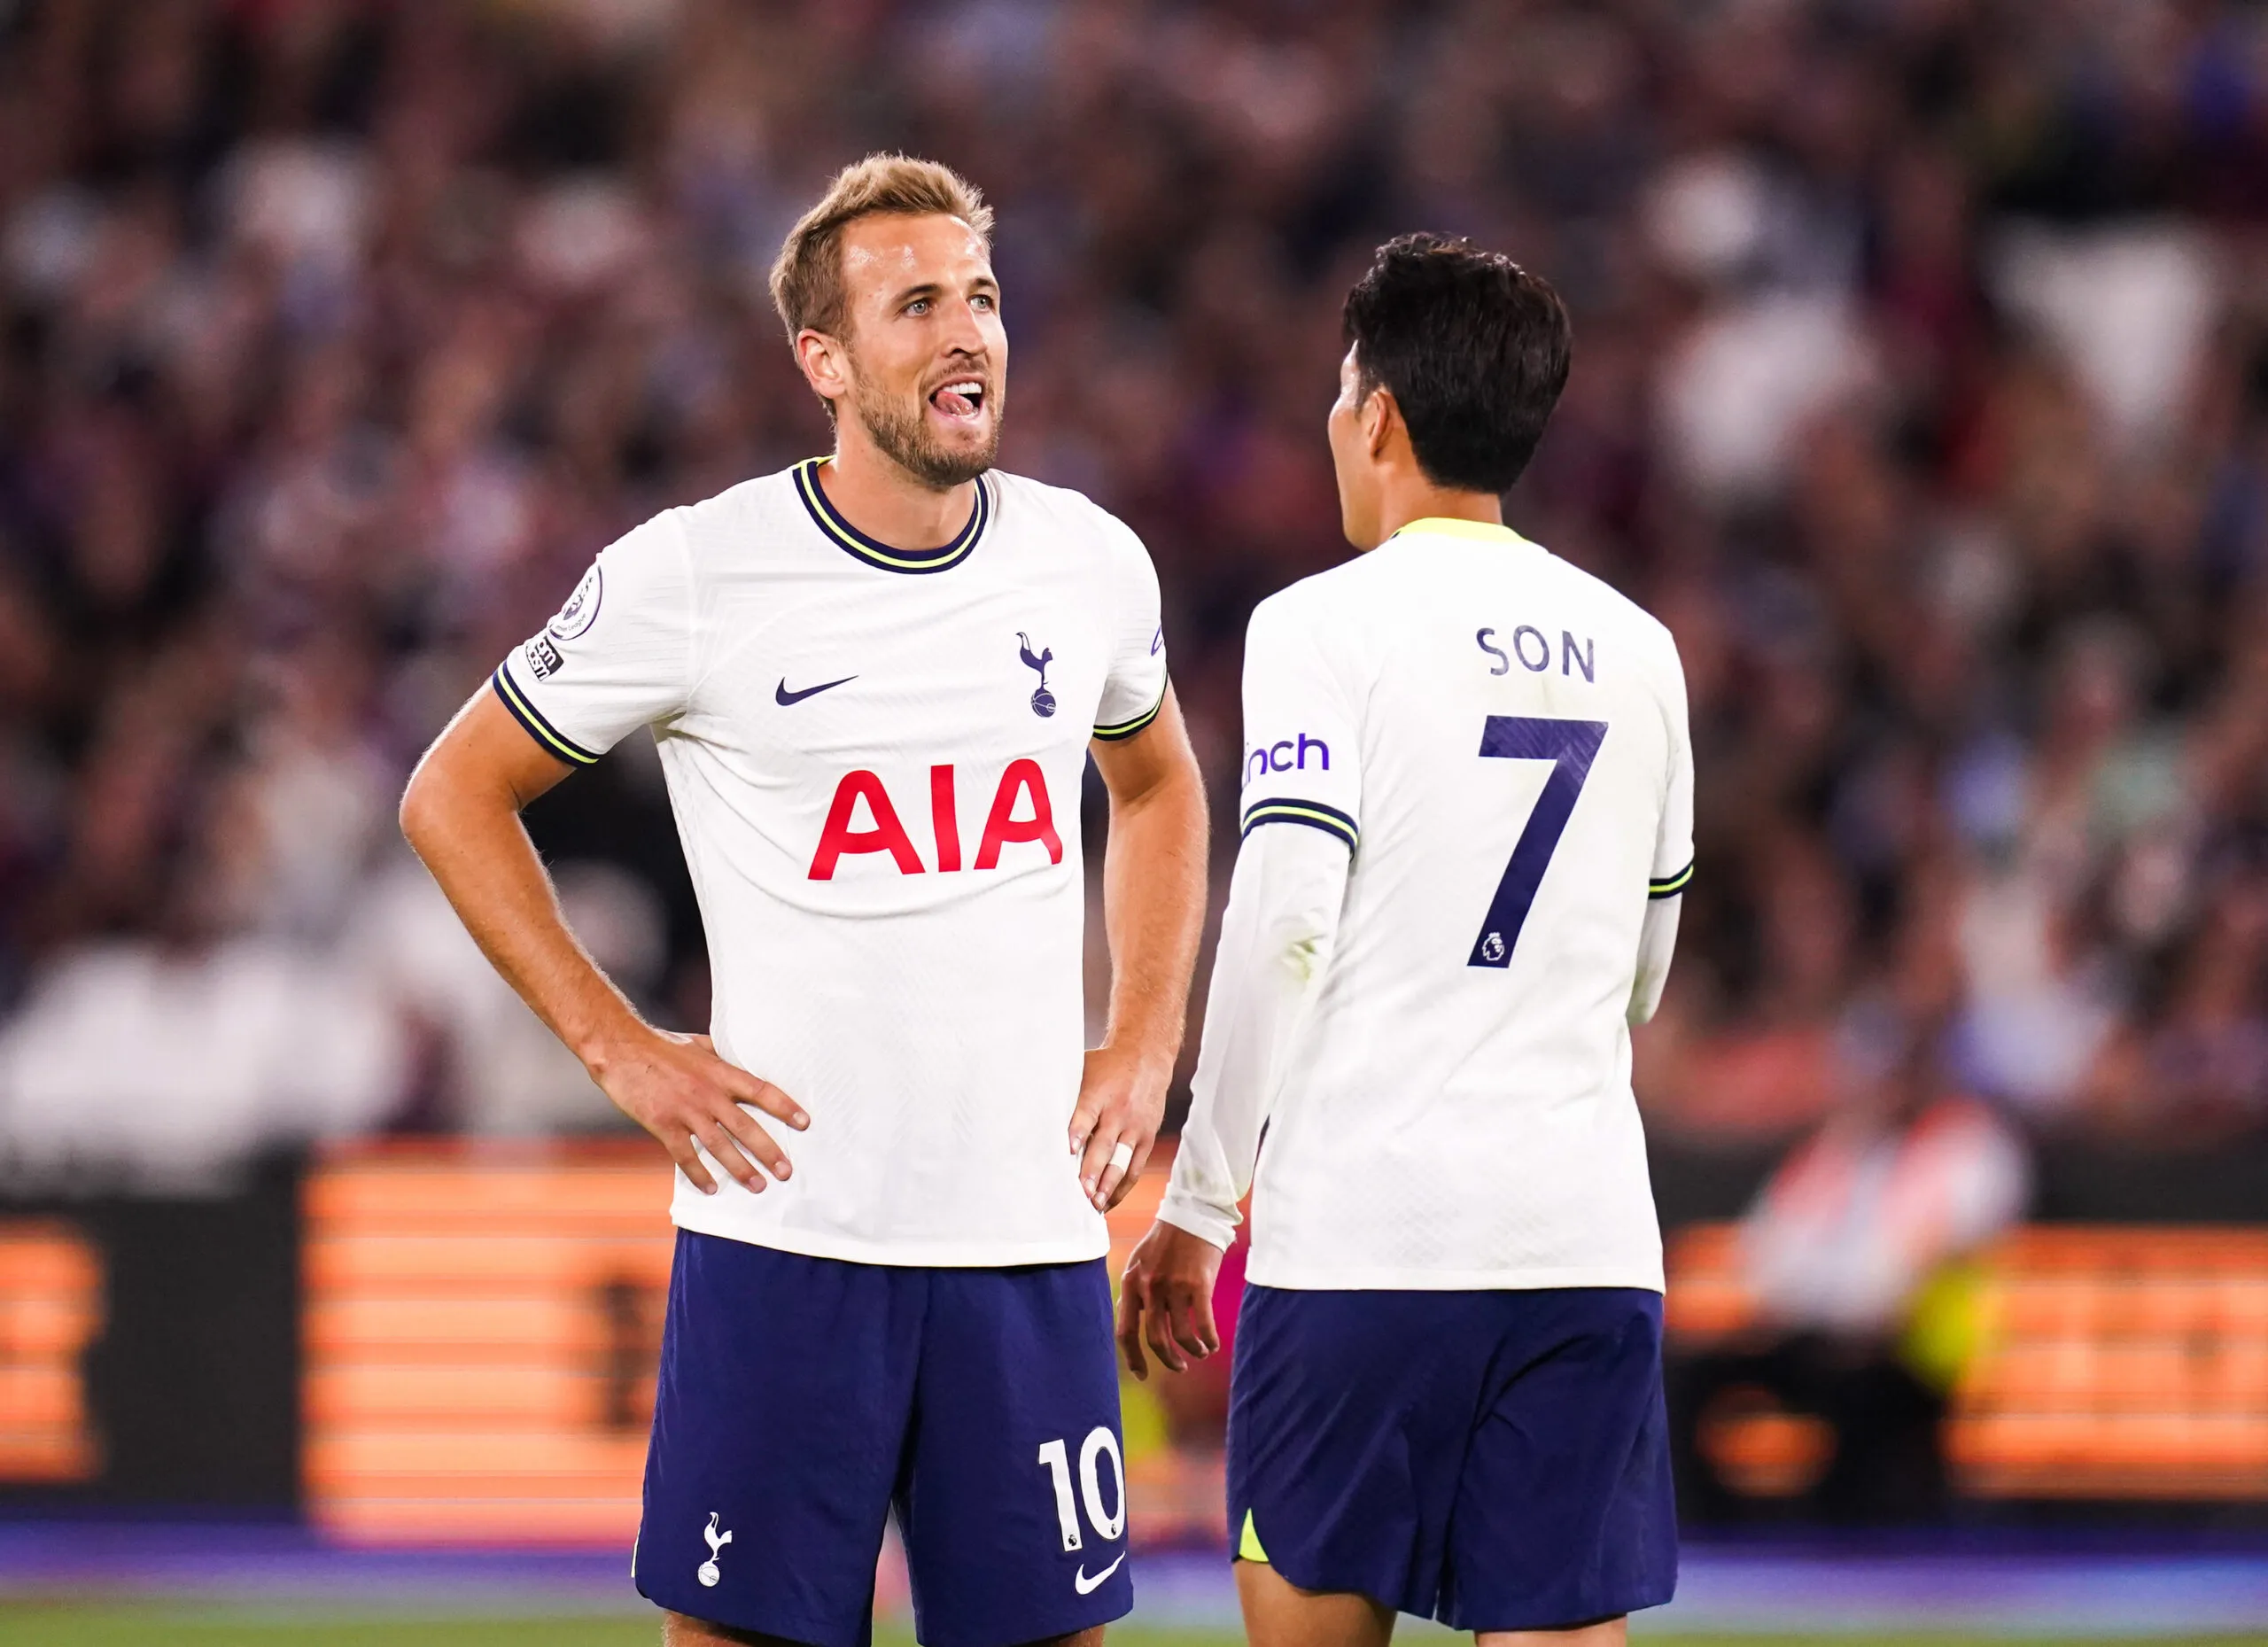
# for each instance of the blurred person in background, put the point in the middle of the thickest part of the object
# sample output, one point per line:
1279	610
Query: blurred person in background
162	1062
483	1062
1853	1255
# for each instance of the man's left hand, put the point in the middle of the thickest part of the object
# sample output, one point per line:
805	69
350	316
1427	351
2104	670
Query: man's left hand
1121	1101
1166	1298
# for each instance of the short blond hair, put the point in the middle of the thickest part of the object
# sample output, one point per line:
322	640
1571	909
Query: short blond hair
807	276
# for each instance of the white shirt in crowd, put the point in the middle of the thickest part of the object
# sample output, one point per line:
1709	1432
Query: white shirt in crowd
1862	1214
168	1070
1467	810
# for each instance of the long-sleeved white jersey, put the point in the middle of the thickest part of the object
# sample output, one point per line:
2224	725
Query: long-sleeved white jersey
1423	992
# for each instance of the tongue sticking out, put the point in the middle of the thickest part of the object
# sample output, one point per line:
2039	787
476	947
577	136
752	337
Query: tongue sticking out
953	405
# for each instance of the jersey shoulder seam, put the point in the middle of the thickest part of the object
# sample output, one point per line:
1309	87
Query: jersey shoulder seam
753	494
1312	609
1307	598
696	671
1047	495
1646	622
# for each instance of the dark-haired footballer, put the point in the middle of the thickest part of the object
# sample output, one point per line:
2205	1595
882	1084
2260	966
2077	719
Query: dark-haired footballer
1447	1397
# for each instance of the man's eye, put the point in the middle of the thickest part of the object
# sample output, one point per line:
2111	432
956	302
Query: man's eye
981	302
920	305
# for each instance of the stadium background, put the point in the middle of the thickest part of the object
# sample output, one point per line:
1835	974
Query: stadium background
1920	387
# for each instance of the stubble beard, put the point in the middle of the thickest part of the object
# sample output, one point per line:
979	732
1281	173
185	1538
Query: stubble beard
902	434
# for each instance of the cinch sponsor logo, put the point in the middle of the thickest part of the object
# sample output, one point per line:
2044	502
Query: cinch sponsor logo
862	795
1288	755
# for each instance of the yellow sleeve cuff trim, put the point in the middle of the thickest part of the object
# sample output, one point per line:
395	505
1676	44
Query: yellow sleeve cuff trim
1128	729
533	723
1248	1543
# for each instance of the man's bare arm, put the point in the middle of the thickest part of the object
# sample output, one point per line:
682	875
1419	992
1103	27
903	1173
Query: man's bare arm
461	814
1154	906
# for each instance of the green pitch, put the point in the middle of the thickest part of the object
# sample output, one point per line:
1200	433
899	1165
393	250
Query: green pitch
23	1625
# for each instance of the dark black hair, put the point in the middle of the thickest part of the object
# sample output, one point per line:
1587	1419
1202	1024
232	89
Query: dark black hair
1474	349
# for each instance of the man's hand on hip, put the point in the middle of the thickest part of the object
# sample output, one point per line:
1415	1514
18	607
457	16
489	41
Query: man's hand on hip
1167	1299
1122	1103
678	1088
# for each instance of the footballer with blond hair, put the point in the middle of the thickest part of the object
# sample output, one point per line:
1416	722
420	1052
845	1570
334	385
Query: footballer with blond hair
874	679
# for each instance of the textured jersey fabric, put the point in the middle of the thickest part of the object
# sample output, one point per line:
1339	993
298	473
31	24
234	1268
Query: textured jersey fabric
1488	747
874	758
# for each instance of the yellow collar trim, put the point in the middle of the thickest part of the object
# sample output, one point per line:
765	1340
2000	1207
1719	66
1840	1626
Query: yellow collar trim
874	551
1446	526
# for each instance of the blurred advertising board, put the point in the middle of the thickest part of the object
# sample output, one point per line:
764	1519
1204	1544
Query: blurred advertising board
2107	1364
481	1331
52	1296
2118	1364
453	1343
148	1350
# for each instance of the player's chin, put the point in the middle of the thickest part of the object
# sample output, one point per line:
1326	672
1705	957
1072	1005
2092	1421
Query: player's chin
963	434
961	448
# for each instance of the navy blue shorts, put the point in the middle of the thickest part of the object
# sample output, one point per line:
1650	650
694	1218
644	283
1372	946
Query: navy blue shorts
1497	1460
802	1399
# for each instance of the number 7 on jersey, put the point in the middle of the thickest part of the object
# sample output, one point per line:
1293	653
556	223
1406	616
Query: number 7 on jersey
1570	746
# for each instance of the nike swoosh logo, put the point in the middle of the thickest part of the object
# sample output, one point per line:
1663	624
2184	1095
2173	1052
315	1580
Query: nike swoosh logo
785	697
1087	1586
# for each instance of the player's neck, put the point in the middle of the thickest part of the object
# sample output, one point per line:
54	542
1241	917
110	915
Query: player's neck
878	497
1406	498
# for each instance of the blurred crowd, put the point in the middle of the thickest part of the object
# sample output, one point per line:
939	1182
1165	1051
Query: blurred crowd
1920	385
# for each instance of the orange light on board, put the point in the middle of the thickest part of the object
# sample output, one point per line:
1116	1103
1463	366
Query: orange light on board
481	1331
51	1309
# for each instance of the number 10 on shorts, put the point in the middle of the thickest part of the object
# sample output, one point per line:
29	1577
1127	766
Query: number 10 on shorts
1055	1457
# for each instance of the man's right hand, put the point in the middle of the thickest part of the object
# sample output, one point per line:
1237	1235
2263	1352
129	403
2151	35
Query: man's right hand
678	1088
1167	1299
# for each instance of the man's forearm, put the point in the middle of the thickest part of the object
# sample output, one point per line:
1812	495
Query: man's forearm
462	817
1657	943
462	813
1278	936
489	870
1153	909
1153	904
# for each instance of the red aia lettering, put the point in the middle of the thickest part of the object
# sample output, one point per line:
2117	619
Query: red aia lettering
944	818
1002	829
839	839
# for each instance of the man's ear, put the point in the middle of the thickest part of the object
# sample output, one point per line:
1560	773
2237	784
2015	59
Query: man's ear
1380	418
825	364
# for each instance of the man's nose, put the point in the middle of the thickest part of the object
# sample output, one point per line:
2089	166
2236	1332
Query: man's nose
963	335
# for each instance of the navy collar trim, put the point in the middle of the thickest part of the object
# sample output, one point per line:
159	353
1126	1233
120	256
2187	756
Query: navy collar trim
874	551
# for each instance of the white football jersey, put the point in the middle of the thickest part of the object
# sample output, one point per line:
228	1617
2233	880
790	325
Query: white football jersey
1499	740
874	758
